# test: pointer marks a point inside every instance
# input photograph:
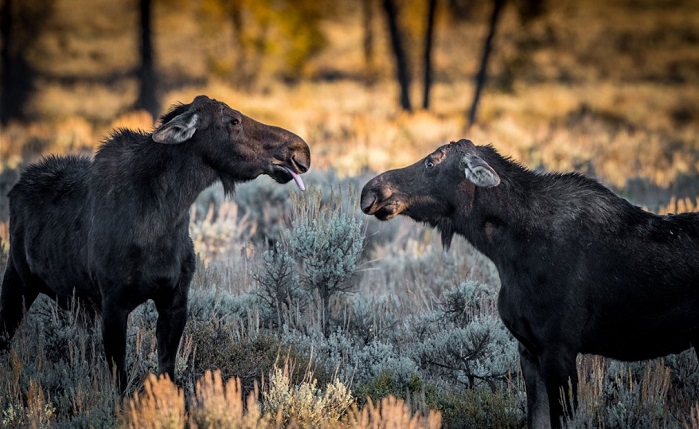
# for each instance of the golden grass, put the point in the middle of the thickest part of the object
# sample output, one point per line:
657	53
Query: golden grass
680	205
390	413
159	406
220	404
37	413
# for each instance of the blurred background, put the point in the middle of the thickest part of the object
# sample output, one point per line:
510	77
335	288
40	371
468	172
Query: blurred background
607	88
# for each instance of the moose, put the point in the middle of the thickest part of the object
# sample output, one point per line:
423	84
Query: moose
582	270
112	231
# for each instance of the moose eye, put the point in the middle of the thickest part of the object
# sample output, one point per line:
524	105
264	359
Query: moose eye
232	121
429	164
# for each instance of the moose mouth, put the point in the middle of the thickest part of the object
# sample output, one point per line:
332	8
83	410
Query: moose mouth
283	173
384	210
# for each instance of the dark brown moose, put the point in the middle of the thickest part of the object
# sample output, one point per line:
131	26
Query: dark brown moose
113	231
582	270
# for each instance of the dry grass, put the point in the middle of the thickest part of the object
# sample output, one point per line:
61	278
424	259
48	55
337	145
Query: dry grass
389	413
159	406
609	90
220	404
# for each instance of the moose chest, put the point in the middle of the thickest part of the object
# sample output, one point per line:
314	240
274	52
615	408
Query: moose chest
538	295
147	266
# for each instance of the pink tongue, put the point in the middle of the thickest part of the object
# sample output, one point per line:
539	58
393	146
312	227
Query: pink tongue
297	179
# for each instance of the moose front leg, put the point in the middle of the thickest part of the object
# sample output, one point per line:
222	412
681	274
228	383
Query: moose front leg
557	366
114	319
172	317
537	397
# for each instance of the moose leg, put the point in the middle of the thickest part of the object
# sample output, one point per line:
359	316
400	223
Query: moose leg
560	375
114	319
172	316
537	398
15	298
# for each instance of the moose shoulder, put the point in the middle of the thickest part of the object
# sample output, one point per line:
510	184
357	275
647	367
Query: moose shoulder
582	270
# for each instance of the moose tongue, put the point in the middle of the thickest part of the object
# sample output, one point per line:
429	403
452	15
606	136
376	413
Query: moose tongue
297	179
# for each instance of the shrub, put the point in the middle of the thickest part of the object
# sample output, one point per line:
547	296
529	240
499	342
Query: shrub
55	373
37	413
327	242
304	404
480	407
278	285
620	395
159	406
392	412
216	404
387	383
466	341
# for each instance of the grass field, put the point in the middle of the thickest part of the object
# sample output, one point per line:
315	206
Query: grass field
610	90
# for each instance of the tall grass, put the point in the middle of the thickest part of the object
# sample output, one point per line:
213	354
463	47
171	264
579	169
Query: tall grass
413	313
609	91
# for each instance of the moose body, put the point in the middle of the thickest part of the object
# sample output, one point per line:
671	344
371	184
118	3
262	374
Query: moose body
113	232
581	269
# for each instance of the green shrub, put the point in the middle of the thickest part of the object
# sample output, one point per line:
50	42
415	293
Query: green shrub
479	408
387	383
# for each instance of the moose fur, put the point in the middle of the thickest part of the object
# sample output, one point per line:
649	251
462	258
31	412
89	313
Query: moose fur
582	270
113	231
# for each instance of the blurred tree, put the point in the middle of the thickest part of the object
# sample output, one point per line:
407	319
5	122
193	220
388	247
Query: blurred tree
368	38
482	70
6	59
520	62
147	97
402	71
530	9
268	37
427	54
20	26
301	37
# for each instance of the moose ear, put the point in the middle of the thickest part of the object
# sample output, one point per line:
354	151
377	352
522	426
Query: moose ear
479	172
177	130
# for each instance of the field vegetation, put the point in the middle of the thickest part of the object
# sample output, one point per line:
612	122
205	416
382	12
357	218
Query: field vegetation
303	311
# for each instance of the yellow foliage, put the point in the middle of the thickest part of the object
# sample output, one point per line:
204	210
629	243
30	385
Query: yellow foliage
159	406
219	404
391	413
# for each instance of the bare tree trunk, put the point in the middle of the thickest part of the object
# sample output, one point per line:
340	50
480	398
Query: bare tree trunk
17	76
240	74
147	98
429	35
402	72
5	60
487	48
368	39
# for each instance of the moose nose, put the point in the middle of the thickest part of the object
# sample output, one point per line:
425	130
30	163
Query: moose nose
300	165
367	203
375	192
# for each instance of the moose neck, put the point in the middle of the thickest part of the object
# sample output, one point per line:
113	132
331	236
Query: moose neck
530	208
159	182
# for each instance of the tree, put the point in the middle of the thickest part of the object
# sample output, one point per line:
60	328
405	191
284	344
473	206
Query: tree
402	71
6	60
427	54
20	27
487	48
147	98
368	38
